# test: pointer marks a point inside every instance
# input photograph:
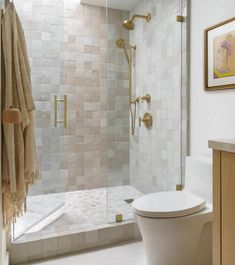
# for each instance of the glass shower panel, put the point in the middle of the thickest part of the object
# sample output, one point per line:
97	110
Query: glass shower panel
43	23
117	113
145	160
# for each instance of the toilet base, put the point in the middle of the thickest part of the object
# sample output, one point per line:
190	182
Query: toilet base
177	241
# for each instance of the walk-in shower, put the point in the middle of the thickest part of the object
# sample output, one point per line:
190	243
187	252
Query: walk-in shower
97	87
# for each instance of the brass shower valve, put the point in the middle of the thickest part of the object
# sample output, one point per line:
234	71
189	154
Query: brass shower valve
139	99
146	98
147	120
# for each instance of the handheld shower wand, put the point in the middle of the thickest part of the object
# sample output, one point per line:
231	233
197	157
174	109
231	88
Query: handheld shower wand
122	45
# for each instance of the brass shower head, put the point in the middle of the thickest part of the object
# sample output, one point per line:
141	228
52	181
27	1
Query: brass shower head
122	45
129	24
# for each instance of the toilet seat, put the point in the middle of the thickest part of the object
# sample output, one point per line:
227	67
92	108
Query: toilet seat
169	204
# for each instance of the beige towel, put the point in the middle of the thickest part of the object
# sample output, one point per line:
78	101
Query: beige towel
20	164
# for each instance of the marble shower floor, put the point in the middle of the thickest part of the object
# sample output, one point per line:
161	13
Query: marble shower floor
86	209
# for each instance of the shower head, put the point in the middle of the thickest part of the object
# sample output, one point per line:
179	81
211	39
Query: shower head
122	45
129	24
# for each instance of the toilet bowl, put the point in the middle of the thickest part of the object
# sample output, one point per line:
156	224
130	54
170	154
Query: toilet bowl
176	226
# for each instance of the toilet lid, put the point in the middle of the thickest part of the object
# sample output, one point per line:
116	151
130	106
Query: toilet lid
168	204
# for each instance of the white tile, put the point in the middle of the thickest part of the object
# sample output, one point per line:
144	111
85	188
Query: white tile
50	247
126	254
85	209
78	242
34	250
18	253
64	244
91	238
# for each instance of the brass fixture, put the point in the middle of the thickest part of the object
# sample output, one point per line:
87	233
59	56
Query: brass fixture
122	45
146	98
119	218
147	120
65	102
129	24
179	187
180	18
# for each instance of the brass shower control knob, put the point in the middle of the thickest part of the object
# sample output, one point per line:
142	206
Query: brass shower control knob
147	98
147	120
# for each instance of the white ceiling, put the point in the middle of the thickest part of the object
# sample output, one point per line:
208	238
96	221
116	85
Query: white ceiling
116	4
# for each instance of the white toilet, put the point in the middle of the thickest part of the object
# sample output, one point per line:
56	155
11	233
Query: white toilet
176	226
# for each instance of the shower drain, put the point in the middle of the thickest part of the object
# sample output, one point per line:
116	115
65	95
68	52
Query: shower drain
129	201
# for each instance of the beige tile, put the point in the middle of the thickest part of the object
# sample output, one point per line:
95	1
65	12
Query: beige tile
64	244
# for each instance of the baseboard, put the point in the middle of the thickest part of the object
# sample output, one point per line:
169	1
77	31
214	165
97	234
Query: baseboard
6	260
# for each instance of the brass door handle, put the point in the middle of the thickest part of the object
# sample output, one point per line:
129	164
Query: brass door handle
64	101
147	120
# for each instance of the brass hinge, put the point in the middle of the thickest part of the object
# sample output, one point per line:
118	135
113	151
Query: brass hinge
119	218
180	18
179	187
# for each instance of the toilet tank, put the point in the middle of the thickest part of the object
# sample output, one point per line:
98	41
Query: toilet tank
198	177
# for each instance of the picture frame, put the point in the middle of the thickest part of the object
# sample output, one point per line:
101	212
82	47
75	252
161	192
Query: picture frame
220	56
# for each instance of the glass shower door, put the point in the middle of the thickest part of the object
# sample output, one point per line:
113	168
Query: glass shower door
44	38
150	159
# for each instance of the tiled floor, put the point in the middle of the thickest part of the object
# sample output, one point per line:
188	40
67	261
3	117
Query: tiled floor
84	209
125	254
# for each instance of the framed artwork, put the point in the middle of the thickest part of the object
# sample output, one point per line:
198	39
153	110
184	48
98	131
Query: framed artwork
220	56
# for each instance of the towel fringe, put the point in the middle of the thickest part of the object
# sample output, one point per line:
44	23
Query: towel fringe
13	207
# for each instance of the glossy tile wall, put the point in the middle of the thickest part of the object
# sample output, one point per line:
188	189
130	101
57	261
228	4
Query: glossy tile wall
72	52
160	70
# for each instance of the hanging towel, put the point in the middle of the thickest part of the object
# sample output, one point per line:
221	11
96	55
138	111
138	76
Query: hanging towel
19	163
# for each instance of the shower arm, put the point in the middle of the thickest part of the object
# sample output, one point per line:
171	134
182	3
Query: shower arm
138	16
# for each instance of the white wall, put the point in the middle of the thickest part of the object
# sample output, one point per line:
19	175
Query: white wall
212	113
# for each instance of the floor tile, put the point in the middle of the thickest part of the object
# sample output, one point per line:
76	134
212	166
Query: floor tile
86	209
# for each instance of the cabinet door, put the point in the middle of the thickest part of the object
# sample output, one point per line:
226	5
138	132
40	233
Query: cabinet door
216	207
228	208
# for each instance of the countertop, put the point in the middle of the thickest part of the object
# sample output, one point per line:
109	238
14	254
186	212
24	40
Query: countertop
227	145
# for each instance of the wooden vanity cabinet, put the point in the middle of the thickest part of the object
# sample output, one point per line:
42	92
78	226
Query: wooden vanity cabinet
223	207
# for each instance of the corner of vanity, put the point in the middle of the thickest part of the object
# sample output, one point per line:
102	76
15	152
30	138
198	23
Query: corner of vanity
223	201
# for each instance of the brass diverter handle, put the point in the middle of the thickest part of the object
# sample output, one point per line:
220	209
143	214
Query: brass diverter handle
147	98
147	120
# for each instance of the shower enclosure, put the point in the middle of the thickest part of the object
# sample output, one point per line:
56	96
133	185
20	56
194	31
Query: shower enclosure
94	80
148	116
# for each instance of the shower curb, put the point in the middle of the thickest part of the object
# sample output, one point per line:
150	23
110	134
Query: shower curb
69	242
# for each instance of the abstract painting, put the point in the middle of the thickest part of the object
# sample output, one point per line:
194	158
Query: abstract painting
220	56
